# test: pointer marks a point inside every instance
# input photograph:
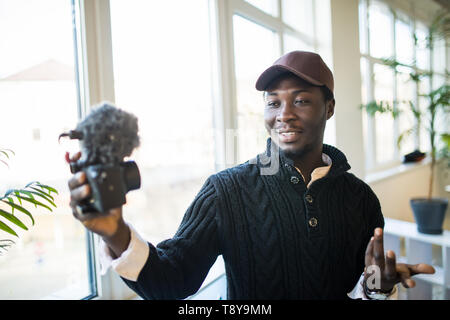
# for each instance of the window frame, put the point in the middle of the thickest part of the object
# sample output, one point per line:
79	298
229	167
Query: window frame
372	166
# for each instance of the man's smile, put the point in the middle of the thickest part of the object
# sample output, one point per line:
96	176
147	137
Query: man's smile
289	135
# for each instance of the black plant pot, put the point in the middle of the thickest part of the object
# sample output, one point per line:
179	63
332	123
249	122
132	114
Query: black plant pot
429	214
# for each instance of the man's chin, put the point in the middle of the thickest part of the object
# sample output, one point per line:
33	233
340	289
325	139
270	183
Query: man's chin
291	151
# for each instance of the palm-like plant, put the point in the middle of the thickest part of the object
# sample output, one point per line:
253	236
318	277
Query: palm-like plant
438	100
13	200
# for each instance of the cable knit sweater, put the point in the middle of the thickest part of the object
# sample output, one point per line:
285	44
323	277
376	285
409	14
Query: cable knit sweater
279	239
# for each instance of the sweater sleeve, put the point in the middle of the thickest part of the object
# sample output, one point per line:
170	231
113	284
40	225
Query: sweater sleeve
374	219
176	268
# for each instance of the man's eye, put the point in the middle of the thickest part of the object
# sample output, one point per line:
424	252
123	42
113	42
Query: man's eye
272	104
301	101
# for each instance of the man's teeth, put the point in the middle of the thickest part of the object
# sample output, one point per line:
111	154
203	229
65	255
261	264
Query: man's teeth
288	133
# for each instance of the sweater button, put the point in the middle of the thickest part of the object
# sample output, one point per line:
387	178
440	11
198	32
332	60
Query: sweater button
309	198
313	222
295	180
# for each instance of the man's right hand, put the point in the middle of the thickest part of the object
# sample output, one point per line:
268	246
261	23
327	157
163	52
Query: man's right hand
109	225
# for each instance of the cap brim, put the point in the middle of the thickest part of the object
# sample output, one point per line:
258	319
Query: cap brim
275	71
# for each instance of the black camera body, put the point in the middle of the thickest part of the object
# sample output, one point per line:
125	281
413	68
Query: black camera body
109	184
107	135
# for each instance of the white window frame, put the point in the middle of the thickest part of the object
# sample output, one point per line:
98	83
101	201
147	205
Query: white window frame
372	166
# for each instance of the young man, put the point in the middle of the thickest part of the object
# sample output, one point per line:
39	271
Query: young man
291	223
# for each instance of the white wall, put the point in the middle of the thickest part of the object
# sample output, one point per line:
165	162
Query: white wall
347	79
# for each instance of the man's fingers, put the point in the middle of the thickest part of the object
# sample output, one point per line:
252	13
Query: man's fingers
403	274
80	193
390	270
378	249
71	158
369	253
420	268
76	156
77	180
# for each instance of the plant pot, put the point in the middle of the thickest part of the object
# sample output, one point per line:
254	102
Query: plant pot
429	214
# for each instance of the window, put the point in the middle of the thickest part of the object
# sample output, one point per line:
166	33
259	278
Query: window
268	6
37	86
390	35
164	78
251	57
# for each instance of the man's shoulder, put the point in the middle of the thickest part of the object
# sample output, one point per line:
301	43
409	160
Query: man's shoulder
240	175
352	182
240	170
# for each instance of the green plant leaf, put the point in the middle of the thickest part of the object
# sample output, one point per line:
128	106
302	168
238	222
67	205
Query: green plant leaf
40	185
35	202
50	189
4	227
21	209
4	244
5	153
13	219
42	194
404	135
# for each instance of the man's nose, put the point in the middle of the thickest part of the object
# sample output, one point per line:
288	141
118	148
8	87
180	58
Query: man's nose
286	112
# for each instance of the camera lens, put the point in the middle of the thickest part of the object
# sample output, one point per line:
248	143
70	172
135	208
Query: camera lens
131	175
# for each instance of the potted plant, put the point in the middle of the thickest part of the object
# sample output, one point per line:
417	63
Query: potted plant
429	212
13	201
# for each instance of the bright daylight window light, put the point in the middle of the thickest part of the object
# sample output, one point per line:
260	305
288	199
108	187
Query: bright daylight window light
37	86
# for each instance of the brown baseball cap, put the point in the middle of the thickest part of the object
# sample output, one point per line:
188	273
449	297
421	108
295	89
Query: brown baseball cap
307	65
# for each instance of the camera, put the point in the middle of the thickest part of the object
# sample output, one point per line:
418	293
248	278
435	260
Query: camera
107	135
109	184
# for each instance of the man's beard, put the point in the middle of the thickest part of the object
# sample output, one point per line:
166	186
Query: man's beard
297	153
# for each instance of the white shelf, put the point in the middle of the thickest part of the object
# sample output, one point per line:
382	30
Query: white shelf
418	249
436	278
409	230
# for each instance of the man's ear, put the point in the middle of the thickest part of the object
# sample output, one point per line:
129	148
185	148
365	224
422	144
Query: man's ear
330	108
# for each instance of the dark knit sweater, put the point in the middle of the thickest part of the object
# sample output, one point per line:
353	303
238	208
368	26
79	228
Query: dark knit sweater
261	225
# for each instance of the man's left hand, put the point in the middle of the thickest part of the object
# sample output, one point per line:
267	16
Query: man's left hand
391	272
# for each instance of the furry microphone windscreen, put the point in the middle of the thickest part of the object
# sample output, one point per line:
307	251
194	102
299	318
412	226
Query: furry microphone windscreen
109	135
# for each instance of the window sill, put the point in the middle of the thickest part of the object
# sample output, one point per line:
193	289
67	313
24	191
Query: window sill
400	169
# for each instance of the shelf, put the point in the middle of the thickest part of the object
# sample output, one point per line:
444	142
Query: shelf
436	278
409	230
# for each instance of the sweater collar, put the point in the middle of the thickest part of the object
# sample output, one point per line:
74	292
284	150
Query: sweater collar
339	161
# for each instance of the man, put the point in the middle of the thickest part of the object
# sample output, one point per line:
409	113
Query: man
291	223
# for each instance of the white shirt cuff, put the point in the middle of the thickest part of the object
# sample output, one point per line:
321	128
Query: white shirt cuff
130	262
358	291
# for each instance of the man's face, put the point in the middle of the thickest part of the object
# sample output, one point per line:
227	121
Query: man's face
295	114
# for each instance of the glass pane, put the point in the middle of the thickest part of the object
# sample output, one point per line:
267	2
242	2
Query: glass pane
424	88
299	15
363	26
384	124
255	49
292	43
439	56
422	50
404	42
39	101
380	28
364	65
268	6
164	78
406	93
